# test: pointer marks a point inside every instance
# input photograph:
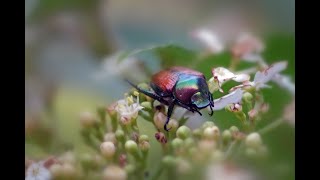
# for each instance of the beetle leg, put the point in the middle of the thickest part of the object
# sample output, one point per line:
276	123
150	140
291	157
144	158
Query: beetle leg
211	110
189	108
170	109
148	93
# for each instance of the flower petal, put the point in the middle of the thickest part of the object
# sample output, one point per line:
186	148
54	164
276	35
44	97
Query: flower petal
233	97
284	82
209	39
262	77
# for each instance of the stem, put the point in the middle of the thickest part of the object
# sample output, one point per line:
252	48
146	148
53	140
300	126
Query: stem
271	126
230	150
156	174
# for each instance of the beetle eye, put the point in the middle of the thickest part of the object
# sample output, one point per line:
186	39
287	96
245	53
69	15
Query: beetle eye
200	100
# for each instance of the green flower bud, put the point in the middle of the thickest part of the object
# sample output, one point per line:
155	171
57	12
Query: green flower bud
173	125
143	138
120	136
147	105
183	132
226	136
107	149
251	152
234	129
207	146
177	143
131	147
207	124
253	140
197	133
159	119
189	142
247	97
183	166
114	173
144	146
130	168
169	161
211	133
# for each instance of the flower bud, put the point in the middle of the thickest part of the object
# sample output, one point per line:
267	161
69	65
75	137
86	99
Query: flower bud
107	149
197	133
120	136
253	140
247	97
113	172
159	119
206	146
130	168
161	137
169	161
111	137
234	129
173	125
189	142
68	157
69	171
251	152
87	119
147	105
131	147
144	146
211	133
226	136
207	124
183	166
177	143
143	137
183	132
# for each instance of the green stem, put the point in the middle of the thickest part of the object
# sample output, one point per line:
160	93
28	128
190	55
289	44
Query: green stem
156	174
271	126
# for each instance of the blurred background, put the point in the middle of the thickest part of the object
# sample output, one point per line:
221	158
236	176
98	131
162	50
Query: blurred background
70	68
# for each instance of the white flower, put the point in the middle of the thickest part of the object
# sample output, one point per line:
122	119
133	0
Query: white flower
234	97
228	171
115	66
209	39
248	48
261	78
284	82
221	75
127	109
37	171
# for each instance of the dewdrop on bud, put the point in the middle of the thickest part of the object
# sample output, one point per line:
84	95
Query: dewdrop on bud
253	140
113	172
107	149
247	97
87	119
211	133
110	137
183	132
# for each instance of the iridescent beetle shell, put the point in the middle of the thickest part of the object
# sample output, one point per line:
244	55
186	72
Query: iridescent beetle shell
180	86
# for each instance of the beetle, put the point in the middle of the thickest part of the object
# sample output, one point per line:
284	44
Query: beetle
180	86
